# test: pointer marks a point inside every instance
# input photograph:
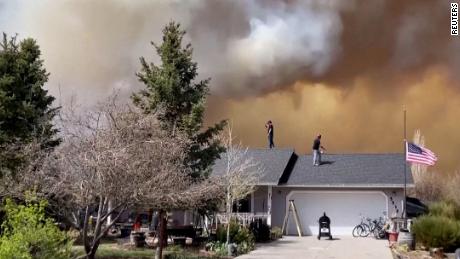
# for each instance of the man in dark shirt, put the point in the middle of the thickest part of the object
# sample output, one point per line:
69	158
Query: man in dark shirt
269	127
317	150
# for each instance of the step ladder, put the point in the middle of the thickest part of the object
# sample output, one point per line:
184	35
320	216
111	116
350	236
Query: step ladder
292	209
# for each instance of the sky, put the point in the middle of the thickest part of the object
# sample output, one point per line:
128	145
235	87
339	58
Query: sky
345	69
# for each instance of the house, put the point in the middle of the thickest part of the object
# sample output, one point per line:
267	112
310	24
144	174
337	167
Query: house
345	186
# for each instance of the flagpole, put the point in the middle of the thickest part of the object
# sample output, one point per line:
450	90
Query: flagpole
405	168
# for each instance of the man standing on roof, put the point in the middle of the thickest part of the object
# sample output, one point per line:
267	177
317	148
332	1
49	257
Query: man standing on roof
269	127
317	149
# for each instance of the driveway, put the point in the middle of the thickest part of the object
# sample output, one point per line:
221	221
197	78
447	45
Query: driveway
312	248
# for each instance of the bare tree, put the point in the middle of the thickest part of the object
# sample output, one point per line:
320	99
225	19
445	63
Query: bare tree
242	174
118	154
451	191
418	170
428	184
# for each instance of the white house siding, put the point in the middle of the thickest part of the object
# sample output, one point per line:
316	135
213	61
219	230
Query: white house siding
260	199
279	205
280	195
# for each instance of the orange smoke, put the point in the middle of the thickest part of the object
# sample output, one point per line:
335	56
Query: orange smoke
359	119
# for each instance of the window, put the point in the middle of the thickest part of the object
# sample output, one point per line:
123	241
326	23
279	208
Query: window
243	205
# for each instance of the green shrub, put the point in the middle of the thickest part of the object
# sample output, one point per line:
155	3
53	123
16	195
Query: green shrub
28	234
219	248
260	230
437	231
276	233
240	235
445	209
222	231
245	240
243	235
185	255
174	248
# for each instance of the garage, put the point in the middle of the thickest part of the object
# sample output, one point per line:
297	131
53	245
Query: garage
344	208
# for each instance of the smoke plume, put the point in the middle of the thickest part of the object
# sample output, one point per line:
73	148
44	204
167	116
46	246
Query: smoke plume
345	68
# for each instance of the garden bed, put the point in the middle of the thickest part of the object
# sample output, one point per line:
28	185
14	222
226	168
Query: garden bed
416	254
112	251
116	251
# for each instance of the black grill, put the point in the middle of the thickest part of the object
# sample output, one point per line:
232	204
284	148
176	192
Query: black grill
324	227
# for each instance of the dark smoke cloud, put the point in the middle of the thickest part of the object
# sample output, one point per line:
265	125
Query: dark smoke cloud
255	47
247	47
344	68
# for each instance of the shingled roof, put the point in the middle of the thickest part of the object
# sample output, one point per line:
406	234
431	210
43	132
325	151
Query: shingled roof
273	161
284	168
350	170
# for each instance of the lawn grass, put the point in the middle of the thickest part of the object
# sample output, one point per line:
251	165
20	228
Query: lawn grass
109	251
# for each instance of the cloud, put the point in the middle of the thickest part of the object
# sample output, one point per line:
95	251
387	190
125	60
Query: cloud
360	120
341	67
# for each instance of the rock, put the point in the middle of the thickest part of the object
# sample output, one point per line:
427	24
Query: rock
437	253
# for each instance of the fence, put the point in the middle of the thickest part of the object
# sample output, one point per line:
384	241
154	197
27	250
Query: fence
242	218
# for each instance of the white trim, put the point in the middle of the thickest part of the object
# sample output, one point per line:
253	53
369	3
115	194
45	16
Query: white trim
269	205
402	207
268	184
288	197
252	202
346	186
409	185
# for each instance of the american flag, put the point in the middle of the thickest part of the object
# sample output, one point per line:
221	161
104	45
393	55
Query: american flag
419	155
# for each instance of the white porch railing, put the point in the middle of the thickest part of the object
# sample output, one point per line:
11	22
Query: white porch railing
243	218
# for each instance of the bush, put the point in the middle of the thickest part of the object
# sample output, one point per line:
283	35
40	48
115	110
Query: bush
440	228
240	235
276	233
260	230
28	234
245	241
218	247
222	231
429	186
437	231
445	209
452	190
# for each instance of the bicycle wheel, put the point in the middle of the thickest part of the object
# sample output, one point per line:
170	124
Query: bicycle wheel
379	233
372	226
366	230
357	231
376	233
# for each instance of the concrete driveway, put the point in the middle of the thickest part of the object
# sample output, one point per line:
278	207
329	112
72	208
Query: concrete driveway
312	248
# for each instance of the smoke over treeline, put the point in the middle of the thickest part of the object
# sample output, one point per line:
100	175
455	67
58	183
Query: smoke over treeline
342	67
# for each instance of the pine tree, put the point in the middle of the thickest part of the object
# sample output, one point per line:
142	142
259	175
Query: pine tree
25	107
178	100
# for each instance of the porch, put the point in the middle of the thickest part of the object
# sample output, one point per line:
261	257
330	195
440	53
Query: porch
242	217
257	206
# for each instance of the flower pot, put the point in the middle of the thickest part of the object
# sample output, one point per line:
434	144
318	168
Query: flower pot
392	237
406	238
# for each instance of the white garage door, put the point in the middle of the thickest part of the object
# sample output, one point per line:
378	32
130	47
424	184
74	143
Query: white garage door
343	208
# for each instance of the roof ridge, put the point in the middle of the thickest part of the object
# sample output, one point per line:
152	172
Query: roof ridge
354	154
271	149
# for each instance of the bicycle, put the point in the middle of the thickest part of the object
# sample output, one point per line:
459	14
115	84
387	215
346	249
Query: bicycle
380	229
374	226
361	230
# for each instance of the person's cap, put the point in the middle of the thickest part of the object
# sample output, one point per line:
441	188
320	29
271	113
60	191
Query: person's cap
319	135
